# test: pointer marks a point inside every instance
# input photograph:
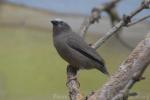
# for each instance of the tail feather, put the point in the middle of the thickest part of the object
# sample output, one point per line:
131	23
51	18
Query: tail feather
103	69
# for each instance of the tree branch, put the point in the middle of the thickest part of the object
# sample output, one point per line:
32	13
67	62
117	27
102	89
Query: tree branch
129	73
142	19
73	84
95	15
132	64
123	22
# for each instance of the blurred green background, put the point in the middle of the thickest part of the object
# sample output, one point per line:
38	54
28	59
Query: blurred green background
31	69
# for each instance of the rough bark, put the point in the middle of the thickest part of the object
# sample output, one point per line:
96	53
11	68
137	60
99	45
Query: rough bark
73	84
129	73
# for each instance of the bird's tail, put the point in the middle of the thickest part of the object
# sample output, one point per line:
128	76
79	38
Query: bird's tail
104	70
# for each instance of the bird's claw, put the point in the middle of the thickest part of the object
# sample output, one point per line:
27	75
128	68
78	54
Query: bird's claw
73	79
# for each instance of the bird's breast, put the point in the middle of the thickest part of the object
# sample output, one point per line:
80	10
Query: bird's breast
62	48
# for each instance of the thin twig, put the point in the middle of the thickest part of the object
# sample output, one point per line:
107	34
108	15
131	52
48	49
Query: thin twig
142	19
118	26
111	32
74	92
95	15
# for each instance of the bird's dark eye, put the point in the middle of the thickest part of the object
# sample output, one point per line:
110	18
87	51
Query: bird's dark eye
61	23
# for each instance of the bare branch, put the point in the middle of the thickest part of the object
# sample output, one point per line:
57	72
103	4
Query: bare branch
95	15
127	68
129	73
142	19
118	26
147	3
73	84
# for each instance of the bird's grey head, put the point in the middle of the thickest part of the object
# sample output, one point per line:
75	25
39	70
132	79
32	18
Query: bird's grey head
60	26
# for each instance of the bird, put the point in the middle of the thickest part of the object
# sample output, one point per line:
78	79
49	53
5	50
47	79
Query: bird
73	48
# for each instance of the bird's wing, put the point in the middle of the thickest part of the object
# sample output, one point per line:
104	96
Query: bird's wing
77	43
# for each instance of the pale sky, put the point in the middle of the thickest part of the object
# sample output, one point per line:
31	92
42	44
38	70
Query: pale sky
80	6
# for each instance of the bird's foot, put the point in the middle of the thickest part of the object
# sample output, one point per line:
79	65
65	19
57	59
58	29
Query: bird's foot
73	79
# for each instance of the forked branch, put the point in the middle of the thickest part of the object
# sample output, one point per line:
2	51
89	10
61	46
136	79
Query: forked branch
129	72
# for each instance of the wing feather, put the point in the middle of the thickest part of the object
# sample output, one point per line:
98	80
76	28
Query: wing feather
77	43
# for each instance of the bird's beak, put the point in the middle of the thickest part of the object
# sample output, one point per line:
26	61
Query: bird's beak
54	22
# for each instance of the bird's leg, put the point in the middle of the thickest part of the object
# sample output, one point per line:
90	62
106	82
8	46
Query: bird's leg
73	84
72	74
